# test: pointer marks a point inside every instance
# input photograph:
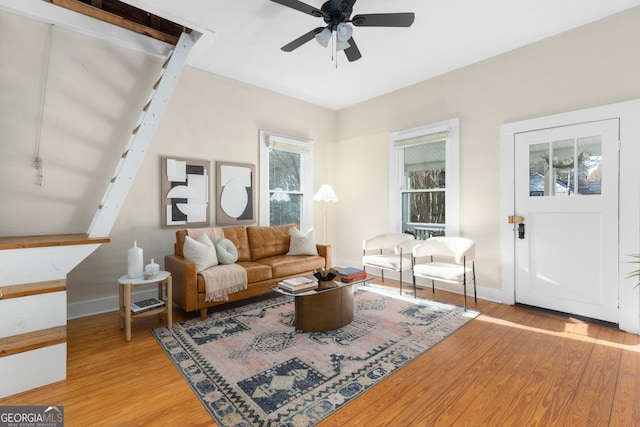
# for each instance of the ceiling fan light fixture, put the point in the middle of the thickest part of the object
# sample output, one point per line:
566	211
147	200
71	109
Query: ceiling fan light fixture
342	45
344	31
323	37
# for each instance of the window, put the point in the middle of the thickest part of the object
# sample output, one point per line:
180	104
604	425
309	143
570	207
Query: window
559	177
424	180
286	164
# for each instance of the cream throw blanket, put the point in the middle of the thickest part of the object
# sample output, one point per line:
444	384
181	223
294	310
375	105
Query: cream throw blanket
220	280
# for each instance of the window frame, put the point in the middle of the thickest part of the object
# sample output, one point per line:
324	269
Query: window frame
452	171
306	178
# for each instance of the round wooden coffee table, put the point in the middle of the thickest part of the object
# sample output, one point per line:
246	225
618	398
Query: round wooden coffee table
326	309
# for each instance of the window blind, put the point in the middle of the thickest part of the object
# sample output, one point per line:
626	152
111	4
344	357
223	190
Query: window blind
289	145
422	139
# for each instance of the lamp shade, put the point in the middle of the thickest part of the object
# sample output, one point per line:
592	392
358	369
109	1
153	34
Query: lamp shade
323	37
325	194
344	31
280	196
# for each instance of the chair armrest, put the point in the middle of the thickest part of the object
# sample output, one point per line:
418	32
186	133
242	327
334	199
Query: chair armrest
184	281
427	248
405	246
324	250
390	242
452	247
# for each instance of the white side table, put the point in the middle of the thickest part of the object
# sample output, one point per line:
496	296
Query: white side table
125	285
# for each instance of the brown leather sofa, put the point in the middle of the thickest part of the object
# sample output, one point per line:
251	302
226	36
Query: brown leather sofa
262	253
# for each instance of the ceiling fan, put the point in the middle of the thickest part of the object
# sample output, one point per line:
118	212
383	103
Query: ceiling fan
337	16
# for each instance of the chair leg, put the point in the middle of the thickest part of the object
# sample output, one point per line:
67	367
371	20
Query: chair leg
464	285
415	290
433	287
464	281
473	270
400	282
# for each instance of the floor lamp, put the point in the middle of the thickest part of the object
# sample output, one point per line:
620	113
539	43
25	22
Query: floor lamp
325	194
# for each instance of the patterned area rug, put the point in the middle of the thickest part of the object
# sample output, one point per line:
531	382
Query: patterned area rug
250	367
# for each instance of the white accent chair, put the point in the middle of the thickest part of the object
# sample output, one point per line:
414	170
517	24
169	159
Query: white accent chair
448	260
391	252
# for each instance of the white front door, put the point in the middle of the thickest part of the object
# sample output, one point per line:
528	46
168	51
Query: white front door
566	190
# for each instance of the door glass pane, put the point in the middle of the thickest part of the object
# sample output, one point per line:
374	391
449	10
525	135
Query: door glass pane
538	168
560	178
563	154
590	165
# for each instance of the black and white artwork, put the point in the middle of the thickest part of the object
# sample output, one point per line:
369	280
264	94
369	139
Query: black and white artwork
185	192
235	193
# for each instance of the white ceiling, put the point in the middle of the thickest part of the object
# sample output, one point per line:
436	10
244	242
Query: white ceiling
242	39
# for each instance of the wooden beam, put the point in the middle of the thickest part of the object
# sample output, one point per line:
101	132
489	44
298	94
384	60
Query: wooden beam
32	340
101	15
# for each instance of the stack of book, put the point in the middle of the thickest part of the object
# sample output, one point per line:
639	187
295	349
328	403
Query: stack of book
351	274
298	284
144	305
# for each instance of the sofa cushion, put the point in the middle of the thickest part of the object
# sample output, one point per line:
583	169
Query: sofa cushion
287	265
268	241
201	251
226	251
238	235
302	243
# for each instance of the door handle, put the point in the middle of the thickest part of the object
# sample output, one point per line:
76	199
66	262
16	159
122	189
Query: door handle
515	219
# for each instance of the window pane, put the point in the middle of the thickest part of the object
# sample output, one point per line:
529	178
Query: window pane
284	170
285	208
423	213
563	166
538	168
424	166
590	165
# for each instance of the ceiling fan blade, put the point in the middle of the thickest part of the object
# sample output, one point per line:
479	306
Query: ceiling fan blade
352	52
301	40
302	7
383	20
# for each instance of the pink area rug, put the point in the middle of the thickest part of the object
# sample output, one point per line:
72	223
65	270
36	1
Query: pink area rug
249	366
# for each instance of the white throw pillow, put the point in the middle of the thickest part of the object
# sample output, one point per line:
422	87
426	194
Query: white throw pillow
302	243
201	251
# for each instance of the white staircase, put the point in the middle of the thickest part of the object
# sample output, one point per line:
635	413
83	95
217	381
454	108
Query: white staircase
145	128
33	269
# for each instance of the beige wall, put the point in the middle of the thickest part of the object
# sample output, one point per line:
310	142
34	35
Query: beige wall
94	95
593	65
95	91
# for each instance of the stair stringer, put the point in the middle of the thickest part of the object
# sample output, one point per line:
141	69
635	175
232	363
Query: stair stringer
134	153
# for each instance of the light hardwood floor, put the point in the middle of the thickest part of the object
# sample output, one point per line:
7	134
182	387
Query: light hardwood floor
509	367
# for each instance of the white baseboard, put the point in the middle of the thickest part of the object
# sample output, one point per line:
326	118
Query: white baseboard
485	293
104	305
